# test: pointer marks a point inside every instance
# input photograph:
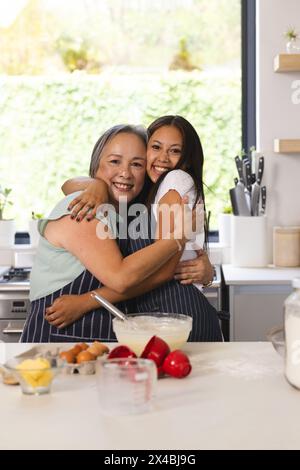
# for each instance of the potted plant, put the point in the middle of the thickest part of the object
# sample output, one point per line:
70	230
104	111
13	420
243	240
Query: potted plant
291	36
33	228
7	227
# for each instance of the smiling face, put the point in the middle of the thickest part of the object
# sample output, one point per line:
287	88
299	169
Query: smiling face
122	166
164	151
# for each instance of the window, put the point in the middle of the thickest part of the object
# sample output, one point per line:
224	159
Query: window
69	70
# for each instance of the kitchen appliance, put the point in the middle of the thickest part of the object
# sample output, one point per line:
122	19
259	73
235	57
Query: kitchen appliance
14	302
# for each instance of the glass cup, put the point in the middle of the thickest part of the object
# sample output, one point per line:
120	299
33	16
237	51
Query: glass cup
36	377
126	386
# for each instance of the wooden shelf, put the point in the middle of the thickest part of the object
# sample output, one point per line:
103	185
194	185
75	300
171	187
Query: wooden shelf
287	145
287	63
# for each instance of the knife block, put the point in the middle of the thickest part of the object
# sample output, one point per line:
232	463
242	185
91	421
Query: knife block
249	241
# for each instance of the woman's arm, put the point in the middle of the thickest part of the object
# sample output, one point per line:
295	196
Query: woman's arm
102	257
76	184
68	308
94	193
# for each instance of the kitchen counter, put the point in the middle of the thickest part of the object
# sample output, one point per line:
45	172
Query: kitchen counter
268	276
235	398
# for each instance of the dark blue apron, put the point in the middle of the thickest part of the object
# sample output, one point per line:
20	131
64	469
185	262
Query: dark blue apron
171	297
94	325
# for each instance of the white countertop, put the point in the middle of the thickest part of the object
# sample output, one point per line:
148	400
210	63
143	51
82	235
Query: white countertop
235	398
270	275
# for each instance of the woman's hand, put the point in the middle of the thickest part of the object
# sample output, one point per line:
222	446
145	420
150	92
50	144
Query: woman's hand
65	310
85	205
187	223
197	270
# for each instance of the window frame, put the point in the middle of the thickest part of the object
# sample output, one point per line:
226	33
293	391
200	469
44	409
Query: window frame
248	55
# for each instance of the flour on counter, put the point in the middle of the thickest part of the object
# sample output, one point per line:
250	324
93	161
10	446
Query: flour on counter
241	368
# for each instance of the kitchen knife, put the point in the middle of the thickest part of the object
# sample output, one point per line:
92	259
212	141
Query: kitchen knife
244	162
242	207
240	198
247	172
248	177
263	199
239	166
260	171
233	201
256	188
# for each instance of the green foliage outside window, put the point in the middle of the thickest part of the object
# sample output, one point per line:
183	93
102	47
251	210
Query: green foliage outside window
48	127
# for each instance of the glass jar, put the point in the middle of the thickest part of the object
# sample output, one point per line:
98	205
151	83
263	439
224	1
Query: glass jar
292	335
286	246
293	46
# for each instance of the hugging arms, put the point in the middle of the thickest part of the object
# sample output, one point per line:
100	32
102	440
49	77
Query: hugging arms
72	261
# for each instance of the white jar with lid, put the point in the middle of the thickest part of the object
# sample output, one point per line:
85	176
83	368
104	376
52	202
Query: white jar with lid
286	246
292	335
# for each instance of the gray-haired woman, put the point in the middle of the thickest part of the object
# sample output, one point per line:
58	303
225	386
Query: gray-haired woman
73	259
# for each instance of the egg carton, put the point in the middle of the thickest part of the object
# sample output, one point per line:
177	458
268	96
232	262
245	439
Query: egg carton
84	368
52	352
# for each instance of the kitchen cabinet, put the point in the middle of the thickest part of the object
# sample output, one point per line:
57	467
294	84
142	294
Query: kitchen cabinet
256	297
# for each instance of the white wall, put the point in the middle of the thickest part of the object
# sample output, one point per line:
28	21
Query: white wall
277	116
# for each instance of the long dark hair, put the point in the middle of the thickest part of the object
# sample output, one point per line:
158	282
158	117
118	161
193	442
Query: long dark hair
191	160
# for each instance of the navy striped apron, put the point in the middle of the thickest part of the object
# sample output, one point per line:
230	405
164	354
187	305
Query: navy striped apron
94	325
173	297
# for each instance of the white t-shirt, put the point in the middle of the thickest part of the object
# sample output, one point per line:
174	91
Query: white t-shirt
183	183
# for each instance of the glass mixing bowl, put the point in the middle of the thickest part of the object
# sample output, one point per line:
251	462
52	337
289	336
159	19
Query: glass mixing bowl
140	327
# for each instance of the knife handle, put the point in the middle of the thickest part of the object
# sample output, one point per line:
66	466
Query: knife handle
239	167
263	199
260	170
248	177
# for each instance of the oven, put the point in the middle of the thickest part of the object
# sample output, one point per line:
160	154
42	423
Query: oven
14	303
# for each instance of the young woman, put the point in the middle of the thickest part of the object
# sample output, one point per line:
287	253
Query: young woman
174	168
73	258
